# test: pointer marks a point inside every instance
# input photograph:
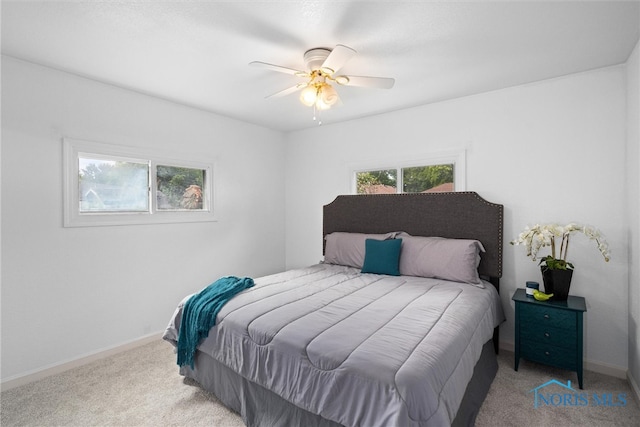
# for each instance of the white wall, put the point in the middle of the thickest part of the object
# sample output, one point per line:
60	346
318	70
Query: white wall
69	292
633	198
549	151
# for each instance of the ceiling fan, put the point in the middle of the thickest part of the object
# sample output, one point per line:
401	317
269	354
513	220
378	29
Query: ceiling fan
322	65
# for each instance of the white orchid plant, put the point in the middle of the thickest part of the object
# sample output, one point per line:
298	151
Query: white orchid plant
544	235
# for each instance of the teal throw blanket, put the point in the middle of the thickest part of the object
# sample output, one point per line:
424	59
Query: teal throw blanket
200	311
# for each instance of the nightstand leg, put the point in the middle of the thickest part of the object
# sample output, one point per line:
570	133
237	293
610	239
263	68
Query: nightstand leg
580	379
517	339
579	349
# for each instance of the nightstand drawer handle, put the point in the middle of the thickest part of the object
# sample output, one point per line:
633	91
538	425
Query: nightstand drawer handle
547	353
546	316
546	334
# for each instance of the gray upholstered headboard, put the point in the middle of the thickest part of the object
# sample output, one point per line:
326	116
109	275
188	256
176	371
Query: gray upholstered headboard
461	215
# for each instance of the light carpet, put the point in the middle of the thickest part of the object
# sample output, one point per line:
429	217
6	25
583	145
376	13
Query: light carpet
142	387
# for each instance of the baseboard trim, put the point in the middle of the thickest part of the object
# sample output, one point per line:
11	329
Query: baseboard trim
605	368
589	365
35	375
634	386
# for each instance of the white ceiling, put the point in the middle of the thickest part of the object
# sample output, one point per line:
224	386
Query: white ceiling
197	52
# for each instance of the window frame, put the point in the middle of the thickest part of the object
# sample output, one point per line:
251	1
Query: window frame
73	217
457	158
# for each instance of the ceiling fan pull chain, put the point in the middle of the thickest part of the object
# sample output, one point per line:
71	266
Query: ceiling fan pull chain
316	115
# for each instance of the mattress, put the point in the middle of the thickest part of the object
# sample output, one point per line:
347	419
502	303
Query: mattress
357	349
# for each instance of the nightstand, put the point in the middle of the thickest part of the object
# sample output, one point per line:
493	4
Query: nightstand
549	332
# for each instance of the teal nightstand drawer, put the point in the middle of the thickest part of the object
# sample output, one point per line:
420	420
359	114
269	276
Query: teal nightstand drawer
565	338
542	316
550	355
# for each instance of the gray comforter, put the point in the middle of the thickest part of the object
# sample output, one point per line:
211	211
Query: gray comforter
357	349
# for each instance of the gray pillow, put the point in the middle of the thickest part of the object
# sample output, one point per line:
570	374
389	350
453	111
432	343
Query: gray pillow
449	259
349	248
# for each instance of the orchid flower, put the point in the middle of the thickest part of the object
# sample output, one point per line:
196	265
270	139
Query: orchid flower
540	236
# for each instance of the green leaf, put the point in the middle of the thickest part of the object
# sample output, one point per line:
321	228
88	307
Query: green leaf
552	263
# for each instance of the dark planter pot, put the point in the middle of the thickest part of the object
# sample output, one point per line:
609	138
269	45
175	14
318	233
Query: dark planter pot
556	282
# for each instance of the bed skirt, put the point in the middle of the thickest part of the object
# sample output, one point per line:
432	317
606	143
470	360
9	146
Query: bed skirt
260	407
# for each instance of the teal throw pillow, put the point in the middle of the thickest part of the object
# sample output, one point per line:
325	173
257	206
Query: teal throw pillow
382	256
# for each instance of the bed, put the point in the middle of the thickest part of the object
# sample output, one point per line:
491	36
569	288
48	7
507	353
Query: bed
350	342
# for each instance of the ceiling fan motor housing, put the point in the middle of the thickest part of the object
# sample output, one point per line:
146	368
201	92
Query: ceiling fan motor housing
314	58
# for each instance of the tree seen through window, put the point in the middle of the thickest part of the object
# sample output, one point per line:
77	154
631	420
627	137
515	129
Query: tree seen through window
419	179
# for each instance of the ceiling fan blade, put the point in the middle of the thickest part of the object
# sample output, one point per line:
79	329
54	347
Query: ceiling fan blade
365	81
287	91
279	68
337	58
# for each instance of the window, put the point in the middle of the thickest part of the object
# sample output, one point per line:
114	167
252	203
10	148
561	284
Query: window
179	188
436	174
377	181
111	185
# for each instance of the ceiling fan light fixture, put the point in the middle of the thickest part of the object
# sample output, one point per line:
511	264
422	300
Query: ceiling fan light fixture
320	95
309	95
328	95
